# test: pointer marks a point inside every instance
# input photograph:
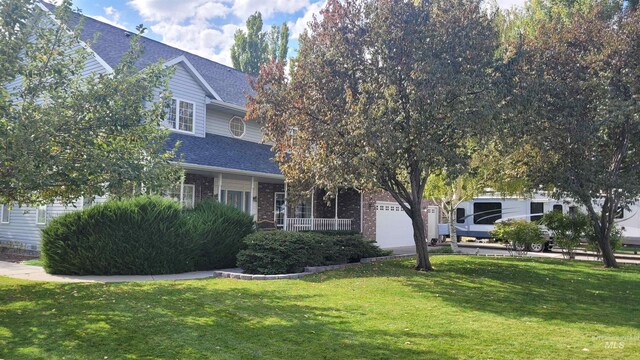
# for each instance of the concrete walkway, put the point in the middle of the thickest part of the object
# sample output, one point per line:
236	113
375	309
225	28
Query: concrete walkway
29	272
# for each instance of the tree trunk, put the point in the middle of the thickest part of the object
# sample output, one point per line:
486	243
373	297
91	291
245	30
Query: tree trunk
453	233
602	229
419	237
608	258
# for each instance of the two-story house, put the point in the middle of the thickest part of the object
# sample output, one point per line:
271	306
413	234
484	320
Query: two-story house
223	155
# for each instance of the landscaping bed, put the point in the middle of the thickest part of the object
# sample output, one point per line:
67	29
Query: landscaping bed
14	257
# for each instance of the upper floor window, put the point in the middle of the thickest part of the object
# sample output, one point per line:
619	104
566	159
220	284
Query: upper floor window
180	115
237	126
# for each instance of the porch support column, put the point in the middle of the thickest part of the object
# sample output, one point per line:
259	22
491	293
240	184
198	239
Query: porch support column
251	196
313	205
181	191
286	207
220	187
337	192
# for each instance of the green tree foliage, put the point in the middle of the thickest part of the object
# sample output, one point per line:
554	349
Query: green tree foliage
448	192
383	93
518	233
567	230
278	41
63	134
575	108
254	47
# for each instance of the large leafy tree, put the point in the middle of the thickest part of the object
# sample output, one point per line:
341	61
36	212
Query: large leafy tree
383	93
63	134
577	95
255	47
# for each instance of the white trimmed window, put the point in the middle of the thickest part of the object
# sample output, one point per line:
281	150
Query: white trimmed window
41	215
237	126
4	214
240	200
181	115
185	194
87	201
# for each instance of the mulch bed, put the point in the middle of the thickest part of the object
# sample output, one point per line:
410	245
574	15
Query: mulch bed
9	256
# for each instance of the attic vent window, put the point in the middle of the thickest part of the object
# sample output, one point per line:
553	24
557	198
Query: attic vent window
237	126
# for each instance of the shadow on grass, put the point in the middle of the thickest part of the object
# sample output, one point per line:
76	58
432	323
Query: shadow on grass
567	291
197	319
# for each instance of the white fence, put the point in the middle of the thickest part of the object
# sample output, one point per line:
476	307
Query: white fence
300	224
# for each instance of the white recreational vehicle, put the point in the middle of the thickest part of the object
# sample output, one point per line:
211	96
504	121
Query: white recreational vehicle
476	218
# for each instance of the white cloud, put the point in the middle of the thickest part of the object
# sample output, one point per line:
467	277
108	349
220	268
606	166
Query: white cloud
244	8
185	24
297	27
199	38
112	17
177	11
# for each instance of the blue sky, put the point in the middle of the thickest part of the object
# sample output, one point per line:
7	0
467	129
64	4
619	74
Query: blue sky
206	27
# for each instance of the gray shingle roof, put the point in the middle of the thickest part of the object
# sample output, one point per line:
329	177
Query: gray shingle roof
112	43
225	152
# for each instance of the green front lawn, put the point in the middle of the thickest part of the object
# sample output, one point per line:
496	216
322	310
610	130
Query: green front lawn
470	308
33	262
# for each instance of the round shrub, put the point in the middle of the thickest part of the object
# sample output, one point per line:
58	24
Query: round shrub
141	236
219	230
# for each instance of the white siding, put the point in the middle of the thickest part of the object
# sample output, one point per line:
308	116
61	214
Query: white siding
91	66
22	230
218	123
184	87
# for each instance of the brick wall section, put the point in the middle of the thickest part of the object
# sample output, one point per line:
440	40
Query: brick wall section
204	186
349	207
266	198
323	209
369	211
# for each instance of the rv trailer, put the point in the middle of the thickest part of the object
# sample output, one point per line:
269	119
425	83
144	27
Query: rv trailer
476	218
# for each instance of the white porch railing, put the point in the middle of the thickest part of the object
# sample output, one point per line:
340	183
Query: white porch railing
300	224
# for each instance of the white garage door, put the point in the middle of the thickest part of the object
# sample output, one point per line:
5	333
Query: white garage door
393	226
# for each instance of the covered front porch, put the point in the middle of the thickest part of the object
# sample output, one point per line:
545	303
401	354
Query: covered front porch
342	212
264	197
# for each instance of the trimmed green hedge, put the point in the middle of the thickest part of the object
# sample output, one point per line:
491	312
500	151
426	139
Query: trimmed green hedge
219	229
143	236
282	252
